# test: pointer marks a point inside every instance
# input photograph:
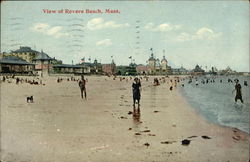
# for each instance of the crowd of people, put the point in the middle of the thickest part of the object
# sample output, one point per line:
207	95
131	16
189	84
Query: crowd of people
136	85
20	80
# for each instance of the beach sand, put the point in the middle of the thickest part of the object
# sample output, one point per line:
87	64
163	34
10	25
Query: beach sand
61	127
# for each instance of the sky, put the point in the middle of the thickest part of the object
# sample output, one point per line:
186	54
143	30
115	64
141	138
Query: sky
208	33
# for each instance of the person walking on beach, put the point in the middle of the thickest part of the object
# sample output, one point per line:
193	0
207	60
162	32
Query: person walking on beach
82	85
136	87
238	91
17	80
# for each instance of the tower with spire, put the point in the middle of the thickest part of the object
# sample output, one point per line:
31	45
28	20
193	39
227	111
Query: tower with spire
158	67
164	62
152	62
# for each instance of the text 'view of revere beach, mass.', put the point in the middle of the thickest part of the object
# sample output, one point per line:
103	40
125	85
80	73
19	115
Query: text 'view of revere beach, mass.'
132	81
87	11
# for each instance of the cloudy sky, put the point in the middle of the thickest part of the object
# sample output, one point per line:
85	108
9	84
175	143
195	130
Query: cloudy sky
214	33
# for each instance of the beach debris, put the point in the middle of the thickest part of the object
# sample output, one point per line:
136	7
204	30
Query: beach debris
185	142
206	137
151	134
192	137
99	148
173	125
129	128
156	111
168	142
137	134
237	138
130	112
122	117
146	130
147	144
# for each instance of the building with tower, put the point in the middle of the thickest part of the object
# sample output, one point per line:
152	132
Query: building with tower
43	63
25	53
157	67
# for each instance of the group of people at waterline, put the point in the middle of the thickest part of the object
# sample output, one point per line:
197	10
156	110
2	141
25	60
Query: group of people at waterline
136	85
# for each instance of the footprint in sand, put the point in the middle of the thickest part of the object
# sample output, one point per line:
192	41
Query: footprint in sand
236	135
185	142
192	136
168	142
206	137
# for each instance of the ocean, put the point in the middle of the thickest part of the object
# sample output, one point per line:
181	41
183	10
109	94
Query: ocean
215	100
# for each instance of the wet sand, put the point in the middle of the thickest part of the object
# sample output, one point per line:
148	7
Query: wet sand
61	127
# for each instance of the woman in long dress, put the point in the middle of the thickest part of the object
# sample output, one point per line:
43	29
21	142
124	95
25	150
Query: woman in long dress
136	86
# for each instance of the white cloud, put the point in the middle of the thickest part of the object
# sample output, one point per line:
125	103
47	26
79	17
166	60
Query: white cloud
54	30
40	27
201	34
47	30
183	37
99	23
206	33
162	27
105	42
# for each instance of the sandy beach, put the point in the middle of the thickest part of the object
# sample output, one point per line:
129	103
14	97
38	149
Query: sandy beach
61	127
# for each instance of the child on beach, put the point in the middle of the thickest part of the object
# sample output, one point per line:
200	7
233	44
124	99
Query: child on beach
136	87
156	82
82	85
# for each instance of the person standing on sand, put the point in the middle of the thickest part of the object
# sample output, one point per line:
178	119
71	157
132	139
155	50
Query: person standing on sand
82	85
136	86
238	91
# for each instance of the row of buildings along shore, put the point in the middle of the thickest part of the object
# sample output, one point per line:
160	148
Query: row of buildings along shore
26	61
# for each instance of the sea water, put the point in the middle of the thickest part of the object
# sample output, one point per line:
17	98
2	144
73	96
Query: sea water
215	100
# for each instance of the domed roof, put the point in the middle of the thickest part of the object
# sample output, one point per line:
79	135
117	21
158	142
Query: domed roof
164	59
151	58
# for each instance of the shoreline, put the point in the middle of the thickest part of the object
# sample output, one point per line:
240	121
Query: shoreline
205	119
60	126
